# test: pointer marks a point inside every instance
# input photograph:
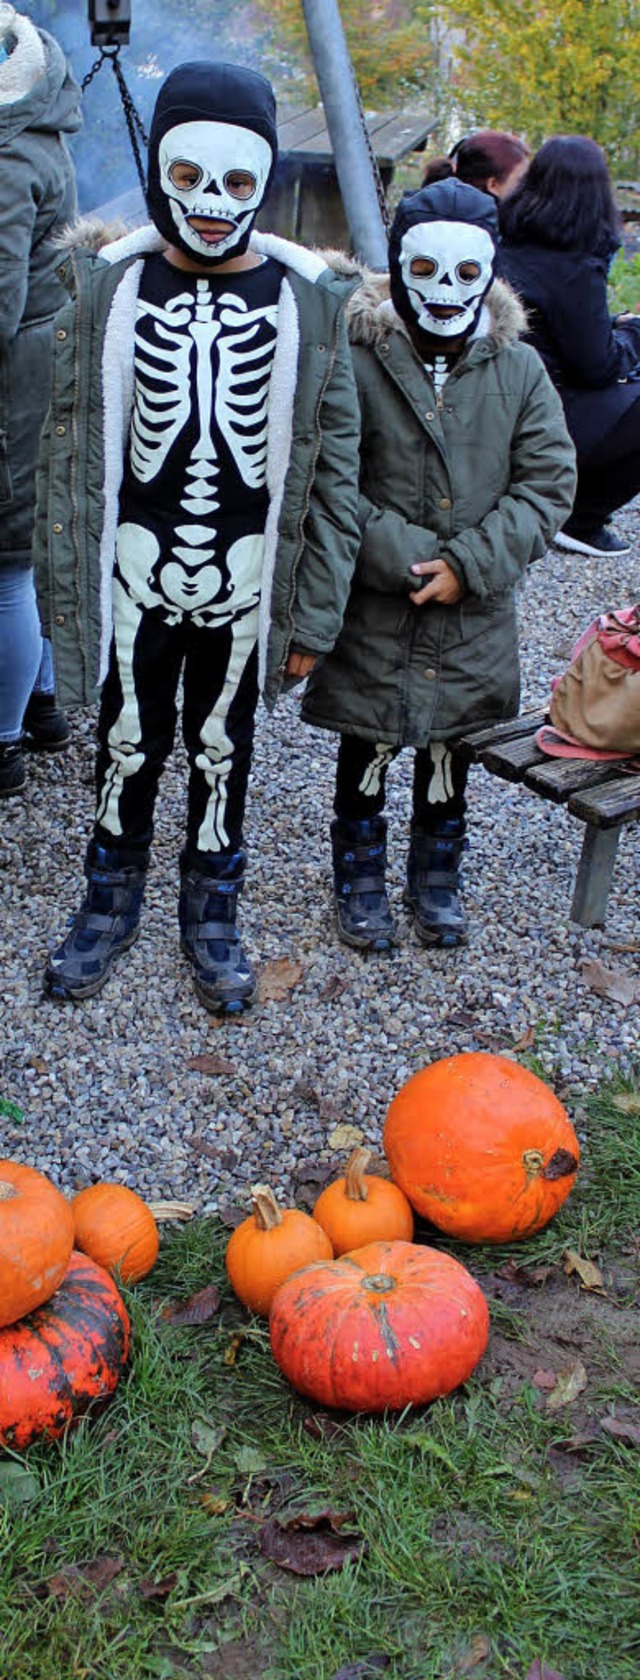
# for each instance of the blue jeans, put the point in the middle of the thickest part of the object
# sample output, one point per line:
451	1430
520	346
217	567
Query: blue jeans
26	664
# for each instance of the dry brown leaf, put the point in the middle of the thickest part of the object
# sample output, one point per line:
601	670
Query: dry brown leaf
622	1430
345	1137
610	983
39	1065
210	1063
476	1653
278	977
332	989
198	1309
158	1589
311	1543
527	1041
84	1580
171	1210
569	1385
627	1102
545	1379
590	1276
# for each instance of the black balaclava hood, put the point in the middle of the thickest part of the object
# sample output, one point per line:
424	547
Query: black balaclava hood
212	97
457	251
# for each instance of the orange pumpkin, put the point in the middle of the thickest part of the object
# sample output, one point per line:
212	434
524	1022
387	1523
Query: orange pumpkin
36	1239
268	1246
391	1324
63	1356
481	1147
117	1229
361	1208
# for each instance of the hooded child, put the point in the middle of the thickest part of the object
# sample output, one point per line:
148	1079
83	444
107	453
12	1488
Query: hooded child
466	473
217	424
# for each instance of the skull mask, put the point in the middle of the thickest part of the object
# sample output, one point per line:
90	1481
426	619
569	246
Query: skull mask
212	154
442	254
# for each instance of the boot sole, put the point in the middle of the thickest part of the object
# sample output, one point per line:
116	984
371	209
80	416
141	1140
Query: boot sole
377	947
32	746
18	787
63	993
433	941
218	1006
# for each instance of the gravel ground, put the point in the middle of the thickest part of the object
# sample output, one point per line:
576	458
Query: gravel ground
106	1088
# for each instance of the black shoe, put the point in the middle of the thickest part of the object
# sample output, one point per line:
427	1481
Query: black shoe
359	866
223	976
106	924
46	727
433	885
601	543
13	770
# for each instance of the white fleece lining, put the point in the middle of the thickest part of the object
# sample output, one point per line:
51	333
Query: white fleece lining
117	403
117	386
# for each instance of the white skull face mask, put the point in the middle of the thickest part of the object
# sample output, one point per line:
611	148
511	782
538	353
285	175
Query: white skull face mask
446	268
214	175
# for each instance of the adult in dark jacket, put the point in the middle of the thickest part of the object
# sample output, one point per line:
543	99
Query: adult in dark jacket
560	230
466	473
39	105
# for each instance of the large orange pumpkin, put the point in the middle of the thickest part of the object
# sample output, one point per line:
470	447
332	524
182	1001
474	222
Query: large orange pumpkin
391	1324
268	1246
481	1147
117	1229
66	1354
362	1207
36	1239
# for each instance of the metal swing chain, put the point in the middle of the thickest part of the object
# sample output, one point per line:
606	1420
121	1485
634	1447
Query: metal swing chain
132	116
378	181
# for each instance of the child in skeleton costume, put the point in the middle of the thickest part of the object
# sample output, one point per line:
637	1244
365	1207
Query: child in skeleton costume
466	474
227	353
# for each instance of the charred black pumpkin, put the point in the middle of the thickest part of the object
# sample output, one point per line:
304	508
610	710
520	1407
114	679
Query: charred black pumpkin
63	1356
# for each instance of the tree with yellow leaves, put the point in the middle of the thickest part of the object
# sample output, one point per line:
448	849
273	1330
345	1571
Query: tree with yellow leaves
390	49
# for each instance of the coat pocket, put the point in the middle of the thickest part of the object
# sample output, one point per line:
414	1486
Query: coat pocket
6	486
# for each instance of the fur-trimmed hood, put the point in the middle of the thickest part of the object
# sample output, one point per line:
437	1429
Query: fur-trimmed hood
116	243
371	316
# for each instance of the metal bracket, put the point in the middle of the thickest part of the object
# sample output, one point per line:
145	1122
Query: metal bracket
110	22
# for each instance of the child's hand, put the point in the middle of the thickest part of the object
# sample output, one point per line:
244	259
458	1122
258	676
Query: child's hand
443	584
300	664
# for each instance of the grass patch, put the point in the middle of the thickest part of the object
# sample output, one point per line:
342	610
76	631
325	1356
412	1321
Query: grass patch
486	1538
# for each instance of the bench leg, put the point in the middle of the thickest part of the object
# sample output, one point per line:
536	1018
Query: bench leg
594	875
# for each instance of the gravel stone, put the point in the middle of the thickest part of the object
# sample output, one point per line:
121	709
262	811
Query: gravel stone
105	1087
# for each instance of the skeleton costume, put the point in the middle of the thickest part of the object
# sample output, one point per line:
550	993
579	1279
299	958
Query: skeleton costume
187	590
456	466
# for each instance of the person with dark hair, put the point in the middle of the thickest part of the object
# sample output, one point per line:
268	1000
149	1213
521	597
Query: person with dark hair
466	472
39	107
205	526
560	230
490	159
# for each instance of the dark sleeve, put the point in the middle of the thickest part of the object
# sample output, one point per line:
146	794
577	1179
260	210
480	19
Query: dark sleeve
592	351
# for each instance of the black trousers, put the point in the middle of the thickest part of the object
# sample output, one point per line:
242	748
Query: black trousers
439	782
608	476
137	723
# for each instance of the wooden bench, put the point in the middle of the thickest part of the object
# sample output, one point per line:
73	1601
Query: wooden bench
597	793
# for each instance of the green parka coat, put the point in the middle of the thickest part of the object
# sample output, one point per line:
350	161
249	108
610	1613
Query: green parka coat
312	533
481	476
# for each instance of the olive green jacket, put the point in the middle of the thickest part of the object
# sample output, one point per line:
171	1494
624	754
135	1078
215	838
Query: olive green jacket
482	476
312	533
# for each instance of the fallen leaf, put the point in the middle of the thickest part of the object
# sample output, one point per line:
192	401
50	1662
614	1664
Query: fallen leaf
332	989
197	1309
345	1137
627	1102
278	977
622	1430
610	983
477	1652
233	1347
209	1063
37	1063
540	1671
214	1504
577	1443
373	1664
526	1041
545	1380
158	1589
321	1428
249	1461
531	1277
84	1580
590	1275
171	1210
231	1216
311	1543
207	1437
18	1485
569	1385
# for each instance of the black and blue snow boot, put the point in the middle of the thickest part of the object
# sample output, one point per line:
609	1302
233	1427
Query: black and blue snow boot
106	924
45	725
13	770
359	869
434	884
223	977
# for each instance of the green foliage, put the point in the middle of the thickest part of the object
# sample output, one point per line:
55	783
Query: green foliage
543	67
624	284
389	46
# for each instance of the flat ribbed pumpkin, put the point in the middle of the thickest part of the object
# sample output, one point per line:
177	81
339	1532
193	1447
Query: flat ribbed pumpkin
66	1354
36	1239
391	1324
481	1147
361	1208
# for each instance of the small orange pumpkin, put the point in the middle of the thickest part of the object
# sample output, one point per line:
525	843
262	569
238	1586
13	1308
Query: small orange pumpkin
117	1229
391	1324
481	1147
268	1246
36	1239
361	1208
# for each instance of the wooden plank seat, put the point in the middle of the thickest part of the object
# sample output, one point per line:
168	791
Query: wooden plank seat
598	794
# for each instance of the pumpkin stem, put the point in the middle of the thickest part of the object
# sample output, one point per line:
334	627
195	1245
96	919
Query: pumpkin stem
265	1207
533	1162
354	1172
381	1283
7	1191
